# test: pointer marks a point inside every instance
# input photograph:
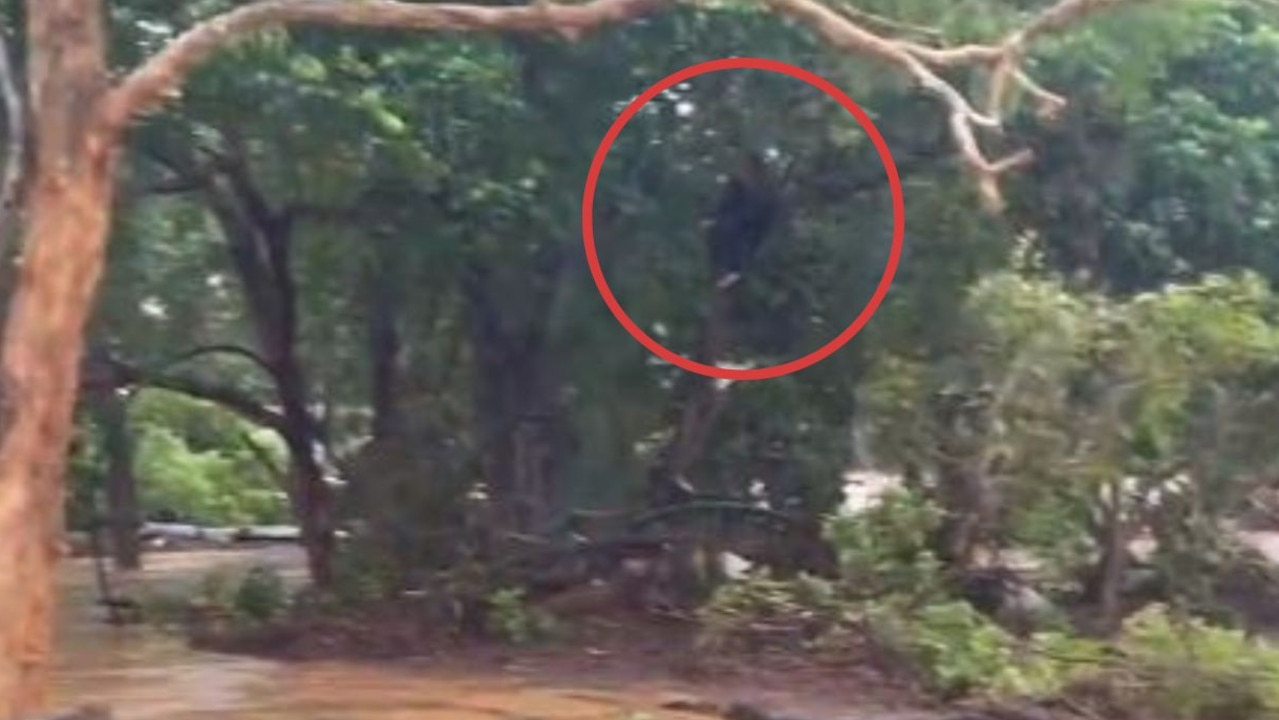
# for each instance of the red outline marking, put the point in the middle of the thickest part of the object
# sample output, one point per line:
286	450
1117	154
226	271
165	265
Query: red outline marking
775	371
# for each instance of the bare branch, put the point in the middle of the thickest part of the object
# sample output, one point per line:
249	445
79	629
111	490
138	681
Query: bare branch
225	396
162	76
1003	58
262	456
887	23
223	349
102	372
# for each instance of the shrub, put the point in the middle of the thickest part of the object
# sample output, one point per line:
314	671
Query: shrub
1186	669
885	550
950	647
759	611
261	596
512	619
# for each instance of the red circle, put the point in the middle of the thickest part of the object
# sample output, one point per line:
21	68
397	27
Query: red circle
775	371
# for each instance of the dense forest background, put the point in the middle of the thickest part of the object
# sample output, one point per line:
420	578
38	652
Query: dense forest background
358	256
345	289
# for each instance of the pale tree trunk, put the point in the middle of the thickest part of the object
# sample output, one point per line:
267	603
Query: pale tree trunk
67	212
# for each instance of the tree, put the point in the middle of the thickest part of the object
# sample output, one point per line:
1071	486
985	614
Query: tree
1069	417
78	116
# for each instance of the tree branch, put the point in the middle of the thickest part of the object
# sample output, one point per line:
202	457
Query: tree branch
104	373
182	175
223	349
1003	58
262	456
225	396
162	76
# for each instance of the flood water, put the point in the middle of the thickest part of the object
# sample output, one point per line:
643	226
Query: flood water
146	675
143	674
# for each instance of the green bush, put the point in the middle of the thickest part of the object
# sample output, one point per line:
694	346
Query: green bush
362	575
512	619
216	487
950	647
885	550
261	596
760	610
1185	669
1161	666
192	459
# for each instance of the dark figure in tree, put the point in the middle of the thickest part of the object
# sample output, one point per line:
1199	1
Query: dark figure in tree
746	212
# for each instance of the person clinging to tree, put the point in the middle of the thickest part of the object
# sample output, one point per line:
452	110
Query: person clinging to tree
746	212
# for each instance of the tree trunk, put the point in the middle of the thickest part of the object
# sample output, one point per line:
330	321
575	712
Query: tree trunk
699	402
67	209
121	486
1114	561
311	496
384	348
516	409
259	239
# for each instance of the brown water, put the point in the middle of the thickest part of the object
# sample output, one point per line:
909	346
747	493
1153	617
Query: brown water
143	675
146	675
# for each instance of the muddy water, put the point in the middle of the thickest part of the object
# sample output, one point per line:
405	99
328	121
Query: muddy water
144	675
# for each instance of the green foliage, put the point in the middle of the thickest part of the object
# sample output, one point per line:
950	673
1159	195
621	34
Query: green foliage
413	163
203	464
222	599
886	549
191	459
217	588
1088	391
1167	170
761	611
1173	667
261	595
951	647
1198	672
514	620
363	575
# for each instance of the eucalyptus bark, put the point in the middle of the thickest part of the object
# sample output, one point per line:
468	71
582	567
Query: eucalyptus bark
67	215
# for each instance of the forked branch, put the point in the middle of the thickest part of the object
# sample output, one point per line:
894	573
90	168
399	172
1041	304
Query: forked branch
162	76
